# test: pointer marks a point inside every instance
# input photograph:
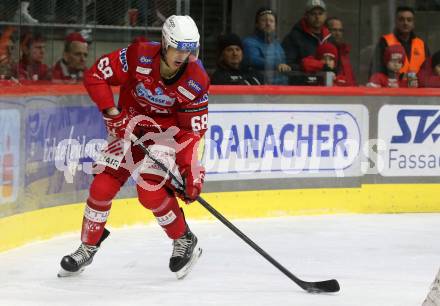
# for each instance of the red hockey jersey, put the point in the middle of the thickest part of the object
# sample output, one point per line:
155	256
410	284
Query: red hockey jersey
380	79
181	101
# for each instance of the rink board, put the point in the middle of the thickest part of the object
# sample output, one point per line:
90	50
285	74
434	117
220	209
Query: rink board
385	198
399	174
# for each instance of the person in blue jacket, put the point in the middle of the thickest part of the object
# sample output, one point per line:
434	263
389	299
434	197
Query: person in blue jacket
263	51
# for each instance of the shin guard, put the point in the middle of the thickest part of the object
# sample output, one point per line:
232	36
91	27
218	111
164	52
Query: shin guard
166	210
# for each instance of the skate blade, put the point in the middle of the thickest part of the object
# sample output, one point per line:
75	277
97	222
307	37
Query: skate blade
187	268
65	273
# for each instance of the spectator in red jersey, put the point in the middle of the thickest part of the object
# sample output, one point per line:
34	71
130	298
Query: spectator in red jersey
70	69
31	66
429	74
394	57
8	67
345	68
325	60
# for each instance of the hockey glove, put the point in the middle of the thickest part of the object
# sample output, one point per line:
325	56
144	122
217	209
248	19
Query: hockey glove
116	125
194	178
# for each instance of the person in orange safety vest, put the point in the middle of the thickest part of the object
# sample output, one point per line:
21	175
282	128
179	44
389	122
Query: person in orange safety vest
415	48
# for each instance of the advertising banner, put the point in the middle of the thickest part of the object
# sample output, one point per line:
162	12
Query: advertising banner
250	141
61	143
409	140
9	155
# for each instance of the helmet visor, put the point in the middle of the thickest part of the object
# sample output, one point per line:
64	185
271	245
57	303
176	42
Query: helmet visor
189	46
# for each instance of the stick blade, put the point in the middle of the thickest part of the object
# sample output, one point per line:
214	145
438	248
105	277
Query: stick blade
329	286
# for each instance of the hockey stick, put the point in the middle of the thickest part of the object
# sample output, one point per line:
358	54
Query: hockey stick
331	285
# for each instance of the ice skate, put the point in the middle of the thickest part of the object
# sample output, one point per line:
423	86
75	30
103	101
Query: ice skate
76	262
433	298
186	252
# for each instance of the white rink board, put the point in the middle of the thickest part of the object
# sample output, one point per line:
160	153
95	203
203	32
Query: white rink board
379	260
249	141
409	142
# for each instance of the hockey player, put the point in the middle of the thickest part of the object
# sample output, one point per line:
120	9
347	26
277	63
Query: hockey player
167	87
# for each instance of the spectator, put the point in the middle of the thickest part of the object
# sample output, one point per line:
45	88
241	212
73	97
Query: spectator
429	74
394	57
345	68
263	52
305	36
229	64
8	68
325	60
31	66
70	69
415	48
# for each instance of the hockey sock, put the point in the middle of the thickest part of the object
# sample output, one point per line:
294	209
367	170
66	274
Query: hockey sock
103	189
166	210
94	220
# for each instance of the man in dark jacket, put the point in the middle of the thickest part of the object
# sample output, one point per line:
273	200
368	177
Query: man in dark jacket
229	64
307	34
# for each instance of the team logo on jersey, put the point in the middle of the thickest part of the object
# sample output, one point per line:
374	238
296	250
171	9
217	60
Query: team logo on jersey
158	91
158	97
194	85
145	60
123	59
143	70
202	100
148	80
186	93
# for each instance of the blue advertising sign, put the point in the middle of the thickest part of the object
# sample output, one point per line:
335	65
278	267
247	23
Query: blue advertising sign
61	143
409	140
273	141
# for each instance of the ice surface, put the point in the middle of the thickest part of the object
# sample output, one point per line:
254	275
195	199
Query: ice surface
379	260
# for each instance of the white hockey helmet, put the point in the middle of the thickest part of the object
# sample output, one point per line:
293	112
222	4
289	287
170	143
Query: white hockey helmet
181	33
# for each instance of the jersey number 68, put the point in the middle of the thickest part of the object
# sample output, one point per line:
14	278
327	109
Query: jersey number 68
199	122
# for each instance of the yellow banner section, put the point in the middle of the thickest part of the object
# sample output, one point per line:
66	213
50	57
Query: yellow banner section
381	198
